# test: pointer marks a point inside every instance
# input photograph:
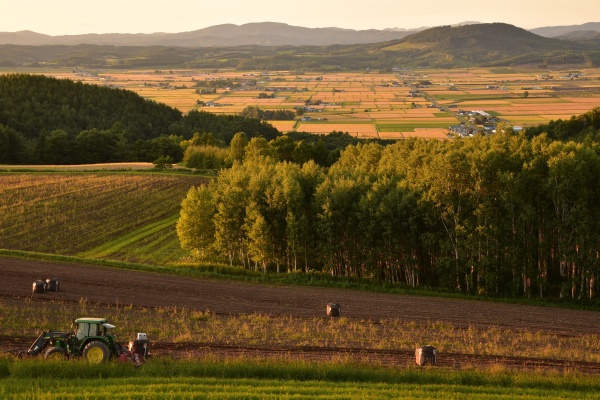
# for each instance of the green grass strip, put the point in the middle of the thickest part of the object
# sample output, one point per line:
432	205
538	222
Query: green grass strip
165	378
135	236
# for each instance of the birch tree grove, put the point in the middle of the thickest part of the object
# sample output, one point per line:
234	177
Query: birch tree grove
504	215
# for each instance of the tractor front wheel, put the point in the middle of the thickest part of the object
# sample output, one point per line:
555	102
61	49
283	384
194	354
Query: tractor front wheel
96	352
54	353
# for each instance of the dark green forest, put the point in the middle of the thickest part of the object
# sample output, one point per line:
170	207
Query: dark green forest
502	215
45	120
56	121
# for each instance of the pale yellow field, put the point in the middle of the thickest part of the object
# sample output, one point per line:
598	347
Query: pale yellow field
428	133
283	126
360	130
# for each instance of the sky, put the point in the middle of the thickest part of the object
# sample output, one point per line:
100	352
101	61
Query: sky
70	17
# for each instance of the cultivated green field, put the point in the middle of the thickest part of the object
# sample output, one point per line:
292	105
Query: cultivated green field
119	215
163	379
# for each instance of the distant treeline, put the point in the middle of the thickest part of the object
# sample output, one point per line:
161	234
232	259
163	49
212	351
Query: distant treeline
501	215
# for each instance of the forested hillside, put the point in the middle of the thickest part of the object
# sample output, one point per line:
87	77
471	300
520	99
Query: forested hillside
501	215
578	127
57	121
31	102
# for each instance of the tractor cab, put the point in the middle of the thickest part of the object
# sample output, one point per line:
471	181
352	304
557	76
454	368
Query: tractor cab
90	329
86	327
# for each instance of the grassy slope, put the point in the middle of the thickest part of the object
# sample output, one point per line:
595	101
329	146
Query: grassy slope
160	228
118	215
259	379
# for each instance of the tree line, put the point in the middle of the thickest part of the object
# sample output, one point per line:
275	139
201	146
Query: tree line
205	152
257	112
504	215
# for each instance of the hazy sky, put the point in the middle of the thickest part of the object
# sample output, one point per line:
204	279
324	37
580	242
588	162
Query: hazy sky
67	17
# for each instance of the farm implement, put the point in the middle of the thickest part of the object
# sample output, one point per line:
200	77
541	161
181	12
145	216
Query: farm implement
93	340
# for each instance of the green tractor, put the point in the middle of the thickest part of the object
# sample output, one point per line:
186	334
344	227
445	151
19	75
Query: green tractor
91	339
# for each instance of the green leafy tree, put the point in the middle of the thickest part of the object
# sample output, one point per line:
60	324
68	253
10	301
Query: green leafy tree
230	194
259	149
13	147
206	157
163	162
237	148
196	225
260	245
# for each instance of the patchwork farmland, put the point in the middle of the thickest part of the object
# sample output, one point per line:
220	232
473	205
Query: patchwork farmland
400	104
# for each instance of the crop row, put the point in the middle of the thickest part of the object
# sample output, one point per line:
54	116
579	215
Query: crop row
71	213
181	325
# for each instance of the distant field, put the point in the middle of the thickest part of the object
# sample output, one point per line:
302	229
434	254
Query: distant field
516	96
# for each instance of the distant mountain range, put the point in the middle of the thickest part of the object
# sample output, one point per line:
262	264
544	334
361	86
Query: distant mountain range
555	31
262	34
466	45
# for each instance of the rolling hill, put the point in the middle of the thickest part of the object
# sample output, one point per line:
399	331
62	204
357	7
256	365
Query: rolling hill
482	44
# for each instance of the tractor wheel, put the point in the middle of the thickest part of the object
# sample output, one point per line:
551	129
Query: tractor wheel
96	352
55	353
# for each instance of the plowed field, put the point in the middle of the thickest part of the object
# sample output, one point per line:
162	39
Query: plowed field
148	290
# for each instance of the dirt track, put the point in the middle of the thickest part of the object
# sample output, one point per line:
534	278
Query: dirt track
106	285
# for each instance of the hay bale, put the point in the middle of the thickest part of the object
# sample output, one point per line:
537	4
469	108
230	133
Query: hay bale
52	284
334	310
39	286
426	355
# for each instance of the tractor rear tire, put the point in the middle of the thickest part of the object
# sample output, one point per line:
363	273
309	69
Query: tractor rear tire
55	353
96	352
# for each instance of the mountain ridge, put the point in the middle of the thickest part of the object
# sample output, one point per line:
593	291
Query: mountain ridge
260	33
554	31
276	34
466	45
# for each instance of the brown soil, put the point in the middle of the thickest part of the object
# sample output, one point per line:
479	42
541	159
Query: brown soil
114	286
82	167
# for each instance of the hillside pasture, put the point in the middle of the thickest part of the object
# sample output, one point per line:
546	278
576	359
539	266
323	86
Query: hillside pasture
79	213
